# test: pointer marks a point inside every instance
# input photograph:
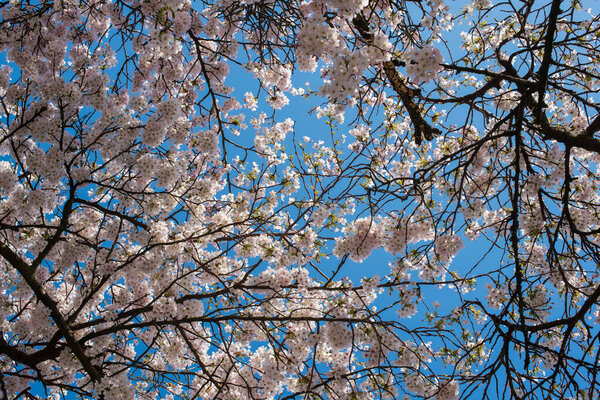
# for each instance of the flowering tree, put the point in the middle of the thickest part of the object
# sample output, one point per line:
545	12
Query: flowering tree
167	232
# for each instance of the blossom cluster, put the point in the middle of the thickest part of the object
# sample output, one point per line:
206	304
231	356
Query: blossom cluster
423	64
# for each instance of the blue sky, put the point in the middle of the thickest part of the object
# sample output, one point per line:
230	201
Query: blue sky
377	264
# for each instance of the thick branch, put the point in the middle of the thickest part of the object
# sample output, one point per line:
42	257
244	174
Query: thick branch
514	229
422	127
15	354
27	274
547	59
584	141
31	360
406	94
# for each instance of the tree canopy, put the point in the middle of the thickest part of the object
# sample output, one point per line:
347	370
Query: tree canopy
175	225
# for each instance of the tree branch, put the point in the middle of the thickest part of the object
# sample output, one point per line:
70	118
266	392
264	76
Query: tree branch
547	59
406	94
27	274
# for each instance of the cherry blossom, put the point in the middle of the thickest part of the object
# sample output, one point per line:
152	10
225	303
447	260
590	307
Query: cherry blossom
174	225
